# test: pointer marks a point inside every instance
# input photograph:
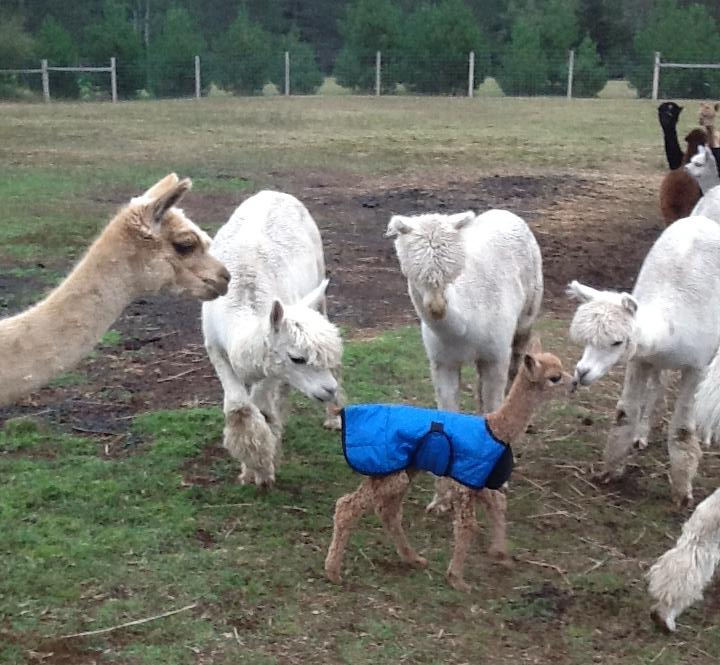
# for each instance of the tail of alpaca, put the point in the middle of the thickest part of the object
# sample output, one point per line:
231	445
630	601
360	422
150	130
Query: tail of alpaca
707	401
678	577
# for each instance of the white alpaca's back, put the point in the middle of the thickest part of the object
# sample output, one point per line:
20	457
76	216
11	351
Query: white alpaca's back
709	204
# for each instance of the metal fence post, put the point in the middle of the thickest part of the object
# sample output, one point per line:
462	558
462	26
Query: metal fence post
571	71
287	73
113	78
197	77
656	76
471	73
378	69
45	80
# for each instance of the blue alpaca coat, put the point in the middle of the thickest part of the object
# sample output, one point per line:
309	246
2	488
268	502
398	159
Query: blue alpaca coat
379	439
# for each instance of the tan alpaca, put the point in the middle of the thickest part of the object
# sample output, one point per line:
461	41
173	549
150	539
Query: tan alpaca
706	118
540	378
148	247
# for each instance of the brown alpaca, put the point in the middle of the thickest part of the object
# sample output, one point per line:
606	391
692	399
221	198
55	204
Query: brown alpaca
540	377
148	247
679	191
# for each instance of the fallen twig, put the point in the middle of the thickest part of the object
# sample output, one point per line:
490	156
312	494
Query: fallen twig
552	566
137	622
177	376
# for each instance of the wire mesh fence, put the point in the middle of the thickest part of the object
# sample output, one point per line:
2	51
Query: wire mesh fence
372	73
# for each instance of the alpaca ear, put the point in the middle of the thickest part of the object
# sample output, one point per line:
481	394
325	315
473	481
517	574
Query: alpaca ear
534	345
276	315
532	367
161	187
170	199
581	292
314	299
461	220
398	225
629	303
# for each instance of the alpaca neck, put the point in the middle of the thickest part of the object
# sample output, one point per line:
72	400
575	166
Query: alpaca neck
249	349
55	334
673	152
514	414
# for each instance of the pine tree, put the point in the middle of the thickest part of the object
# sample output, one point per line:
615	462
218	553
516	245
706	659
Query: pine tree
55	44
305	74
590	75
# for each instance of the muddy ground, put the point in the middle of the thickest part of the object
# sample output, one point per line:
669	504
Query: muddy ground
594	228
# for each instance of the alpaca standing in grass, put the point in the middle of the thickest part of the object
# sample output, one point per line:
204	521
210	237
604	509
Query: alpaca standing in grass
671	321
270	330
149	247
678	577
476	284
538	379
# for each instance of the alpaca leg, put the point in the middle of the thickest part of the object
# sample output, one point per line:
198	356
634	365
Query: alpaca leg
622	436
348	510
389	495
519	344
647	408
683	446
678	577
446	380
464	527
246	436
492	381
266	396
495	504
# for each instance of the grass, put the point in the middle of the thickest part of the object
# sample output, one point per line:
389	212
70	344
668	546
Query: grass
91	540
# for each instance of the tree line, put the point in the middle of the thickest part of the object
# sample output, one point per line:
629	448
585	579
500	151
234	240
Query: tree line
425	45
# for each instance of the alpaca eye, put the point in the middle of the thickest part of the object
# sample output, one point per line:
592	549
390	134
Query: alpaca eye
184	248
556	379
298	360
618	343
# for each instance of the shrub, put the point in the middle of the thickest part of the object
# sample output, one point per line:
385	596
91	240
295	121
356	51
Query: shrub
590	75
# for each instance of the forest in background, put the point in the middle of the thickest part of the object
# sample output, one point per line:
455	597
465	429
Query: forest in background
425	45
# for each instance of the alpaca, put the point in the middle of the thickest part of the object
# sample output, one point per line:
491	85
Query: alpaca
678	577
706	118
703	167
709	205
270	331
149	247
476	283
538	378
671	321
680	190
668	115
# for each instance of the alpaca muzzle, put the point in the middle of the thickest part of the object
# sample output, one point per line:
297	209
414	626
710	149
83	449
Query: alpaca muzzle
435	304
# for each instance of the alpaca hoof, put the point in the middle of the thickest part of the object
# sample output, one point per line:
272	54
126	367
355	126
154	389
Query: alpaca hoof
333	423
640	444
458	583
417	561
683	500
665	621
501	558
333	576
262	479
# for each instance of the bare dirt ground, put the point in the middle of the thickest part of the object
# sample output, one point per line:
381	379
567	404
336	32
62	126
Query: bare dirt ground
593	228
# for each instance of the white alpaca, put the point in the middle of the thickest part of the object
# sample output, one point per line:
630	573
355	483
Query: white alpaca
671	321
703	167
678	577
476	284
270	330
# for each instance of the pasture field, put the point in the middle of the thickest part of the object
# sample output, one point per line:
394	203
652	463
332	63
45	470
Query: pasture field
118	503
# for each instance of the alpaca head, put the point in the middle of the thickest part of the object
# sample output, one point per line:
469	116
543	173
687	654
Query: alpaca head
668	114
431	254
605	324
171	252
707	113
544	373
703	167
304	347
694	139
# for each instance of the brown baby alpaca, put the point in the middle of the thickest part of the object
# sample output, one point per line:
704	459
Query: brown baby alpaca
539	379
